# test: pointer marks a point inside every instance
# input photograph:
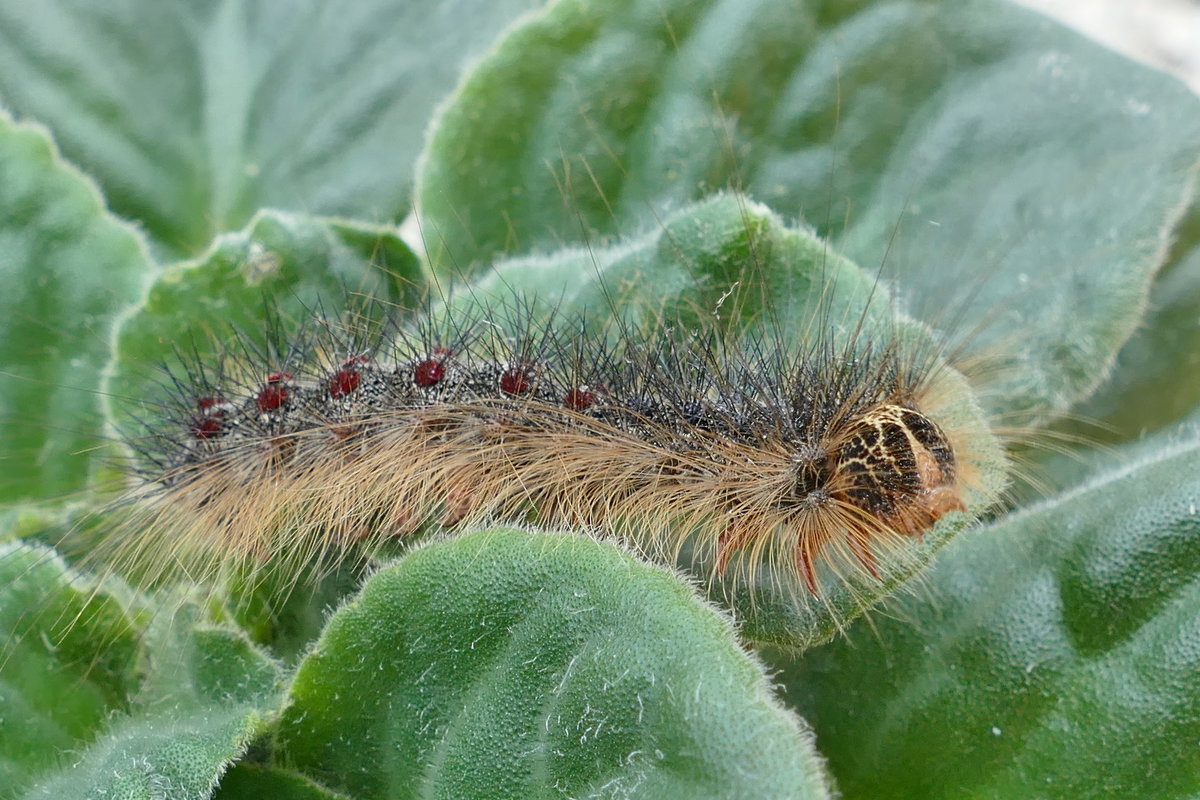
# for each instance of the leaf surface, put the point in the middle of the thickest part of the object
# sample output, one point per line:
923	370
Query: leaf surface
250	299
505	663
207	695
69	268
192	116
68	655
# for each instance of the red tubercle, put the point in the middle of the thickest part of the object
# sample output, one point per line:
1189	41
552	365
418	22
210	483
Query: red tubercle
517	379
579	399
343	382
207	427
272	397
429	372
208	423
348	377
275	393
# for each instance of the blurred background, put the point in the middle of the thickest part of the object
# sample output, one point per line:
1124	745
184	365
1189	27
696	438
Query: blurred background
1164	33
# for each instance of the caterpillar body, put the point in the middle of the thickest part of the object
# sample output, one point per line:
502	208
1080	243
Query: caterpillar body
749	453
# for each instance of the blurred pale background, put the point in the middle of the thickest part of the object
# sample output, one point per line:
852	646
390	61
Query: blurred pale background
1165	33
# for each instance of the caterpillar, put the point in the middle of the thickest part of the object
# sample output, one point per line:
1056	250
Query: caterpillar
813	458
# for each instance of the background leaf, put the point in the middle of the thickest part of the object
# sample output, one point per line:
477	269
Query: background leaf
69	268
1157	377
192	116
265	281
207	694
1001	144
246	782
505	663
1034	175
68	656
1053	654
724	261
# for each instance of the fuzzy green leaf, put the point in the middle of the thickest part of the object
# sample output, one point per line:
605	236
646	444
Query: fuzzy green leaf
193	116
1002	166
1157	377
705	263
68	656
1054	654
513	664
268	279
245	782
207	694
68	268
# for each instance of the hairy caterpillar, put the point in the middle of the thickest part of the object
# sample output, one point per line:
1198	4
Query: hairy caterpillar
743	448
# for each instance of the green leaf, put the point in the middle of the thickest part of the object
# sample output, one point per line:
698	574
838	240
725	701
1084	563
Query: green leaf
703	264
68	652
246	782
1002	166
1157	377
512	664
266	279
68	268
1053	654
206	697
194	116
286	610
197	664
1155	382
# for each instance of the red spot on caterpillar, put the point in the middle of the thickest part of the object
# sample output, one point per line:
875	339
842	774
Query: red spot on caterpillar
517	379
578	399
429	372
275	393
208	423
343	382
207	427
